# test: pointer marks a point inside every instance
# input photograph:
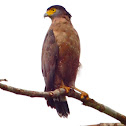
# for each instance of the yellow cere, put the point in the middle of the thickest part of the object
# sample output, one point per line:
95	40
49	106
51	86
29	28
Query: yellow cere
51	11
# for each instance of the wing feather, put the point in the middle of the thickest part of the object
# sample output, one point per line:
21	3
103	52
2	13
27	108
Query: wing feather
49	59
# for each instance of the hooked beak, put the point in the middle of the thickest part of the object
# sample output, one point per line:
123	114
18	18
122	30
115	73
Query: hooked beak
45	15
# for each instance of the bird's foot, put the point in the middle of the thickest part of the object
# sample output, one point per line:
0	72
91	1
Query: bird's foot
66	88
83	94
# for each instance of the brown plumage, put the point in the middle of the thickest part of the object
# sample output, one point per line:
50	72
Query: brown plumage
60	56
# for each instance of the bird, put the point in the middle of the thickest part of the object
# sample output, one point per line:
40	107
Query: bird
60	57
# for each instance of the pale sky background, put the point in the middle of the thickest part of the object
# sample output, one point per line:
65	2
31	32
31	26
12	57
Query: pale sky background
101	25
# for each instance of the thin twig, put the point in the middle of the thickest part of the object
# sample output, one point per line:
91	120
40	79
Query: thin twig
61	91
3	80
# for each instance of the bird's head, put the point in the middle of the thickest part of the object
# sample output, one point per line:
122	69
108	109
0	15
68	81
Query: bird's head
56	11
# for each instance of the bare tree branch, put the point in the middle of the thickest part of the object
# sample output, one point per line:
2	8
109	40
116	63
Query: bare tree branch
61	91
108	124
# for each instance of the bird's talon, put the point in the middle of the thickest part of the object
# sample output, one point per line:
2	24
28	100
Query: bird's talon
67	89
84	95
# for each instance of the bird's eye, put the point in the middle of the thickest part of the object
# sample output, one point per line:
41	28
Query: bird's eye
53	9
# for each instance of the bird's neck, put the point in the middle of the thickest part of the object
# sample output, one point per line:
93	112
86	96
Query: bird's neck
62	19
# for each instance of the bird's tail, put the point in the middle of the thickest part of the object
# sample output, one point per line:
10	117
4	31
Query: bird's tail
60	104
